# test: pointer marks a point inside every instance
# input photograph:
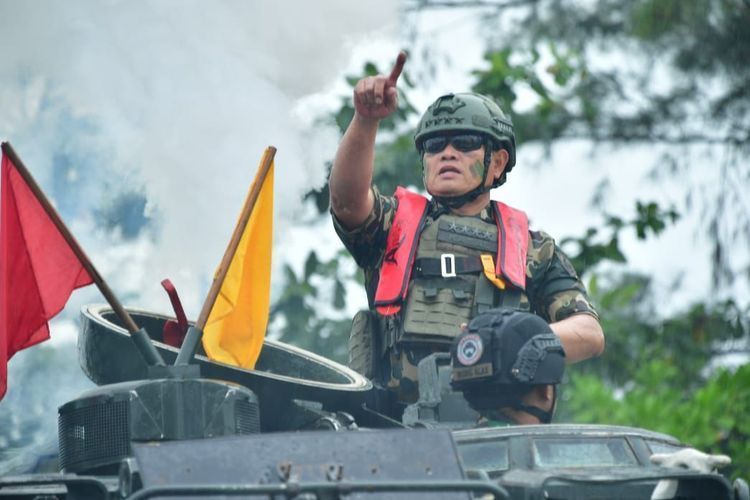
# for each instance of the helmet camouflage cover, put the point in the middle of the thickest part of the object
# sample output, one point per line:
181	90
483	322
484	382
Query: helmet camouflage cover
468	112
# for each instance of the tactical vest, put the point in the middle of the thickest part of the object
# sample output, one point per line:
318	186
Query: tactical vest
445	271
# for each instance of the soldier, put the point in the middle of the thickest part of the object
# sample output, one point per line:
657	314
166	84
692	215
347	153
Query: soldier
508	364
432	265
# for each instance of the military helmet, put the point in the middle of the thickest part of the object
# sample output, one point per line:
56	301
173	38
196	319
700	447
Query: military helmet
468	112
502	354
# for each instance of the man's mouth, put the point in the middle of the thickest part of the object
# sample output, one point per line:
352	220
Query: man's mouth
448	169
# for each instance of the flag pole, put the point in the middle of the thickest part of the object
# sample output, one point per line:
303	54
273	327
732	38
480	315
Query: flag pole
194	334
140	337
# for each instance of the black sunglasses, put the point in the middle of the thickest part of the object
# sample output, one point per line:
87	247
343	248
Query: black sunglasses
462	142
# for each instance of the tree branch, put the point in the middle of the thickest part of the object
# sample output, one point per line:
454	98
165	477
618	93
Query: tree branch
449	4
666	139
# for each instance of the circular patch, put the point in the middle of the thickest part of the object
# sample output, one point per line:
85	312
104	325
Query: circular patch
469	349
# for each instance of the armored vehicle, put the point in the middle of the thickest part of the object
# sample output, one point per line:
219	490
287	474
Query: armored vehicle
209	430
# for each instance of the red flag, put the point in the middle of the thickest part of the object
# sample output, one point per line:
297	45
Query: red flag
38	269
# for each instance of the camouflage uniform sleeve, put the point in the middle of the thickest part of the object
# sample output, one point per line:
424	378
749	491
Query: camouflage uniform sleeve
366	243
553	287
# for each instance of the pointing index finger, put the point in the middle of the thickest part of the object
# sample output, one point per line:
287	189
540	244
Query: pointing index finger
397	68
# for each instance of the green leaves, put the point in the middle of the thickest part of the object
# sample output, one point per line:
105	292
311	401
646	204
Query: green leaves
563	68
661	373
500	79
712	419
591	249
310	312
651	216
557	77
618	297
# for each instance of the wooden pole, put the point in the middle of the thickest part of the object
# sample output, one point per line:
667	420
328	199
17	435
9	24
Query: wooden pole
190	344
247	209
125	318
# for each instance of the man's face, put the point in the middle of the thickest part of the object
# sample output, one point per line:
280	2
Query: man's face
454	164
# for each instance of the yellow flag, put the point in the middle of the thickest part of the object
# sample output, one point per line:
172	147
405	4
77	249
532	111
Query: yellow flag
236	325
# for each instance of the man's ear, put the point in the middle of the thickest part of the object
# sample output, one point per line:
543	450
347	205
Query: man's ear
499	161
549	392
544	393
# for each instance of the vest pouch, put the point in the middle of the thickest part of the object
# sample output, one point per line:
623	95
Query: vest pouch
363	344
438	311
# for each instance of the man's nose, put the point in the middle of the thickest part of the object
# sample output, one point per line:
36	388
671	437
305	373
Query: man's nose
448	152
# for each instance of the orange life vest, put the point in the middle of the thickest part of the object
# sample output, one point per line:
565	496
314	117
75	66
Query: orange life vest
403	239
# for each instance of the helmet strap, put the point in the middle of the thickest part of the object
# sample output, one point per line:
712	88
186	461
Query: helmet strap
463	199
544	416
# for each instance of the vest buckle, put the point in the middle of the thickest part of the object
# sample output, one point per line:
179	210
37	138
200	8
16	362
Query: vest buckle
448	265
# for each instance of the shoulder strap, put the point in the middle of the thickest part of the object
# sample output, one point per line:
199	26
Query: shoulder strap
512	243
400	248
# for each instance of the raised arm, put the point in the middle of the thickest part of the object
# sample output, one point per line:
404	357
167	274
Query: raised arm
375	97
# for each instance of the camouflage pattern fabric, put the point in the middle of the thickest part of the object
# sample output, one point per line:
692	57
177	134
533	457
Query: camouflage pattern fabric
553	289
494	418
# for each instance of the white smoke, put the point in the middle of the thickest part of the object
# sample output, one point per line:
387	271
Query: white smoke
177	99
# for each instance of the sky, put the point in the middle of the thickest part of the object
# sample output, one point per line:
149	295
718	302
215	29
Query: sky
150	117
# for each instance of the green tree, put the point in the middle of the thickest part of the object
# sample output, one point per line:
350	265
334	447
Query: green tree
711	418
657	72
298	308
